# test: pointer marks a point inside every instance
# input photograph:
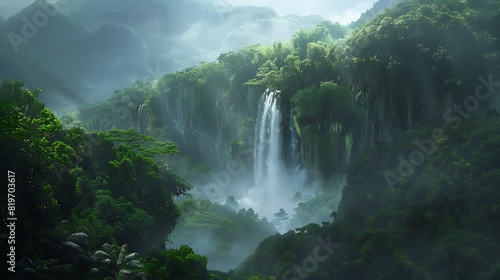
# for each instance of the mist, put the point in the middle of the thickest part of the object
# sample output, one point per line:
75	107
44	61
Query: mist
117	43
234	139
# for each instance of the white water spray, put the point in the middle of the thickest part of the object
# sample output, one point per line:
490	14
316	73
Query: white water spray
267	152
140	119
275	186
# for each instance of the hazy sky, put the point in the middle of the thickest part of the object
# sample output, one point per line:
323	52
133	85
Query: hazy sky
343	11
15	3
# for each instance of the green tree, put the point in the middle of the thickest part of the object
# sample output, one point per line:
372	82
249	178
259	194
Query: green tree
175	264
116	262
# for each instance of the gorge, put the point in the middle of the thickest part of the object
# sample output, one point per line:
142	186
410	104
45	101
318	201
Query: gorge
368	151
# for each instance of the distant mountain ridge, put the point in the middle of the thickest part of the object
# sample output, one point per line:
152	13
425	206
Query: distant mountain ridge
6	12
96	47
377	8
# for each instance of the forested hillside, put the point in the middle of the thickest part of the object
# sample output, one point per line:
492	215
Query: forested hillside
378	7
365	153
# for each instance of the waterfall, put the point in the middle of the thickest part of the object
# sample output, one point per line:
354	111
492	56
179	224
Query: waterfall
140	119
268	165
294	143
276	183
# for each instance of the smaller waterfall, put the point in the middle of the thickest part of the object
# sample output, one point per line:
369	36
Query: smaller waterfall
140	118
294	143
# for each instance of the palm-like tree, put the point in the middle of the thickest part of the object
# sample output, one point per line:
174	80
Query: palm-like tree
69	257
114	261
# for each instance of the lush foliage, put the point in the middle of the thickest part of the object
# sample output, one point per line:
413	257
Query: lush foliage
375	93
176	264
107	185
219	99
441	222
421	51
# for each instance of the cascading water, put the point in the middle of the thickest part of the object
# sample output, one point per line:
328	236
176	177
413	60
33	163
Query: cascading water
267	163
275	186
294	143
140	119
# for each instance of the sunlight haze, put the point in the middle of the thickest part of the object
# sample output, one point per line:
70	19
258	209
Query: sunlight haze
341	11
